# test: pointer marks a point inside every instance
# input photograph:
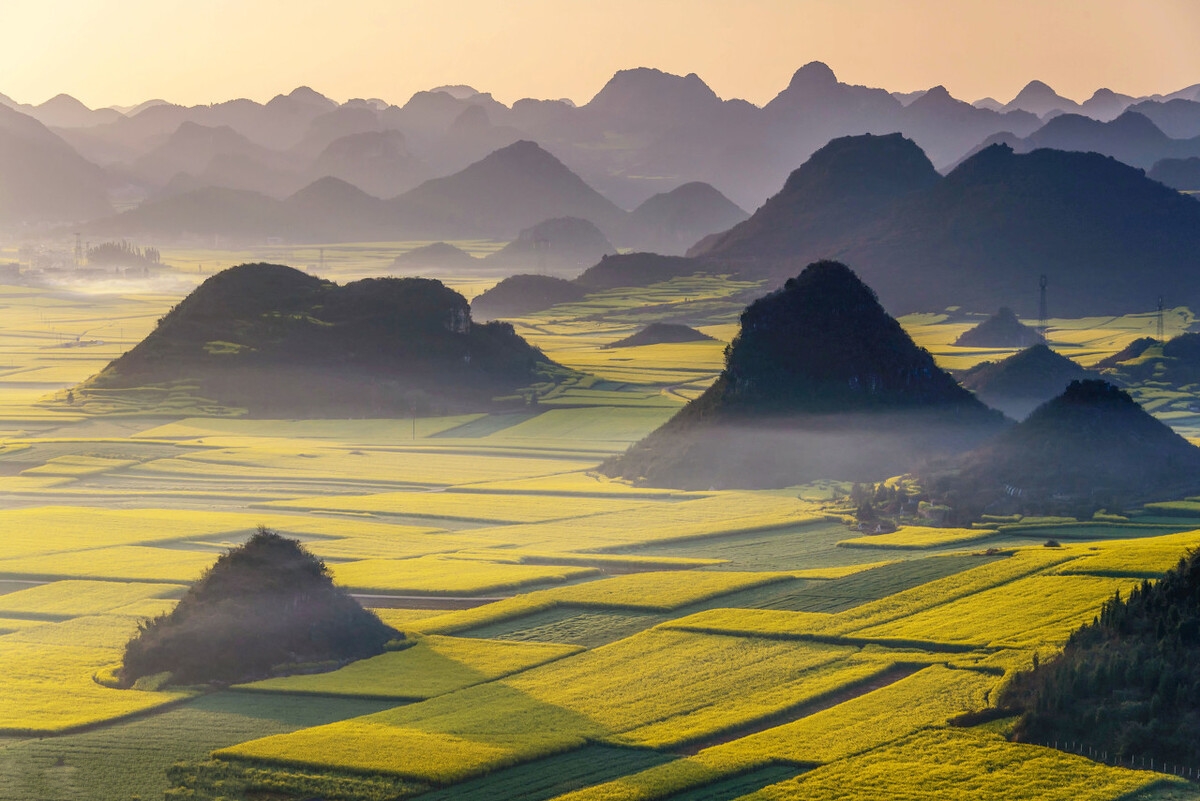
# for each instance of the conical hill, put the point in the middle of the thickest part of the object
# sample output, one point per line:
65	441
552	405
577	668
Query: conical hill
1022	382
1001	330
1091	447
820	383
261	607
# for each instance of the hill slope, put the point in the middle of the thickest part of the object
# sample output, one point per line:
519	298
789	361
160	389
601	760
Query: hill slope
1001	330
1022	382
276	341
1123	684
1108	238
820	381
1092	447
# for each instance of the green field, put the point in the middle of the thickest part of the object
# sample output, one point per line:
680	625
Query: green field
575	637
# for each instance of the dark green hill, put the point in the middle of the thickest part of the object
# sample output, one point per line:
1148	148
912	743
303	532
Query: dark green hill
1108	238
263	606
819	383
1128	353
276	341
523	294
1173	364
1001	330
1127	683
660	333
823	205
1090	448
1022	382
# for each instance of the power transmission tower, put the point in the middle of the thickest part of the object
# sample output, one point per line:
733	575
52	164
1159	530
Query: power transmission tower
78	252
1160	318
1042	305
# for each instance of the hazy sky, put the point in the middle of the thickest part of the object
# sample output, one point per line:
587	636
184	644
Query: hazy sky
200	51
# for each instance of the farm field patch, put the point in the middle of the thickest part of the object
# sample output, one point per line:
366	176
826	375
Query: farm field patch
432	666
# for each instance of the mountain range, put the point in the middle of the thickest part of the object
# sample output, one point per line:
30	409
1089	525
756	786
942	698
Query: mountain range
646	132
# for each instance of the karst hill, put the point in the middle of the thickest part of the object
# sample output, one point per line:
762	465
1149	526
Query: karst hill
1090	448
1001	330
1022	382
273	340
819	381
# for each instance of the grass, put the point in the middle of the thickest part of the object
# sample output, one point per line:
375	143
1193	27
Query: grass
433	666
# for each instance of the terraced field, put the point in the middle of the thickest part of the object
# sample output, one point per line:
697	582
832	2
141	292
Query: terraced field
573	637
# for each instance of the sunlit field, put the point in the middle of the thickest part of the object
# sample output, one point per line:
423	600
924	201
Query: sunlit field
568	636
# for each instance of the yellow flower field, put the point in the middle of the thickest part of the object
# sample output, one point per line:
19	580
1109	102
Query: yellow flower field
433	666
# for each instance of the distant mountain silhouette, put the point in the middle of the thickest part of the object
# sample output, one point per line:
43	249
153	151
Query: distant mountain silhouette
505	189
193	147
439	256
1105	105
64	111
671	222
1108	238
1038	98
1092	447
42	179
1178	119
659	334
519	295
512	189
562	244
820	381
1178	173
946	128
1131	138
643	98
276	341
377	162
1001	330
1024	381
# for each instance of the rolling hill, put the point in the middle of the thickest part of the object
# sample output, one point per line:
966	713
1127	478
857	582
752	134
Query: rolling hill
275	341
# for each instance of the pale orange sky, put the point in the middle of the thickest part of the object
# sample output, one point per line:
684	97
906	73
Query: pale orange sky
200	51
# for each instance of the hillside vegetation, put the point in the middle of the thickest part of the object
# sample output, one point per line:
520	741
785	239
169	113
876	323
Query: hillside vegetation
1129	682
263	607
271	339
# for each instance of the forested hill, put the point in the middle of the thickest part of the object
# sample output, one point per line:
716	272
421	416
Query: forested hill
274	340
1129	683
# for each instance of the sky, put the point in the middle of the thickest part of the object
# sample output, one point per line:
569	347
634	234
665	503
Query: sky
122	52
